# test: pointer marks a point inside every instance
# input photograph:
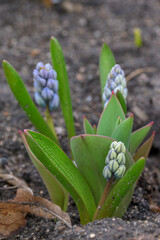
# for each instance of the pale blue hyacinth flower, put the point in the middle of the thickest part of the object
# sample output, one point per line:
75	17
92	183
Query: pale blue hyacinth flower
46	86
115	81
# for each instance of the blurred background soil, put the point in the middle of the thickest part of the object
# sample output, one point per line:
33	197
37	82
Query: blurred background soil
81	27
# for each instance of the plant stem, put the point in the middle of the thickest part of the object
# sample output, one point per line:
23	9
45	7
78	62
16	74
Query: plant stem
50	123
103	198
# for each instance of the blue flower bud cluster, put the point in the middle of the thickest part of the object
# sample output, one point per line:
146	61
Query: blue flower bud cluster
115	81
115	161
46	86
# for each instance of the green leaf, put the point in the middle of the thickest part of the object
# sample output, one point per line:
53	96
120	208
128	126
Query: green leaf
144	150
122	101
108	119
60	166
87	126
120	191
106	62
57	193
22	96
123	131
138	136
89	153
64	91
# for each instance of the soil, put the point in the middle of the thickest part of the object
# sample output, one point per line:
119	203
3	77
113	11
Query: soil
81	27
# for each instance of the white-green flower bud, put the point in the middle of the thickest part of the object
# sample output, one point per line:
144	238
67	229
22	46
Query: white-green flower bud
112	154
113	166
120	148
107	173
121	159
107	160
120	172
113	145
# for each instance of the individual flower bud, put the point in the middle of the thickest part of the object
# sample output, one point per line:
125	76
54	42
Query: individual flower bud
37	87
107	92
121	159
118	79
107	160
48	66
39	66
47	94
53	104
104	97
107	173
118	88
35	73
112	154
113	85
113	166
52	74
120	148
113	145
43	73
52	84
41	81
120	172
39	100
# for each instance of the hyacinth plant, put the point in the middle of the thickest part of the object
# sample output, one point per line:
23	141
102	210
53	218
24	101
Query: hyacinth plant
108	158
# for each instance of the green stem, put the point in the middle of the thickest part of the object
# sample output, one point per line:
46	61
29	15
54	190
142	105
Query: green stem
103	198
50	123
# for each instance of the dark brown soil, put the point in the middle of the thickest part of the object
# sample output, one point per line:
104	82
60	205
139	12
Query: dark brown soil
25	30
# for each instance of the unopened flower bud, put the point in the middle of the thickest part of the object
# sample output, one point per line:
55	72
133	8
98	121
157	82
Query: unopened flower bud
37	87
39	66
53	104
113	145
121	159
113	165
52	74
39	100
120	148
112	154
47	94
107	173
52	84
43	73
120	172
48	66
41	81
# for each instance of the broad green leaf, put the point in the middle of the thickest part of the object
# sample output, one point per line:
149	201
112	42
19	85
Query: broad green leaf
120	191
122	101
60	166
108	119
89	153
88	129
123	131
22	96
57	193
106	62
144	150
64	91
138	136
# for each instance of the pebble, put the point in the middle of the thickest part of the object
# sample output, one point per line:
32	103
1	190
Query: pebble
92	235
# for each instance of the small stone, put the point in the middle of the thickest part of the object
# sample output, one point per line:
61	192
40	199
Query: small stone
92	235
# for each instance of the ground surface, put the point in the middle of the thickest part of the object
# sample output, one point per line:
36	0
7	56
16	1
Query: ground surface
25	30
